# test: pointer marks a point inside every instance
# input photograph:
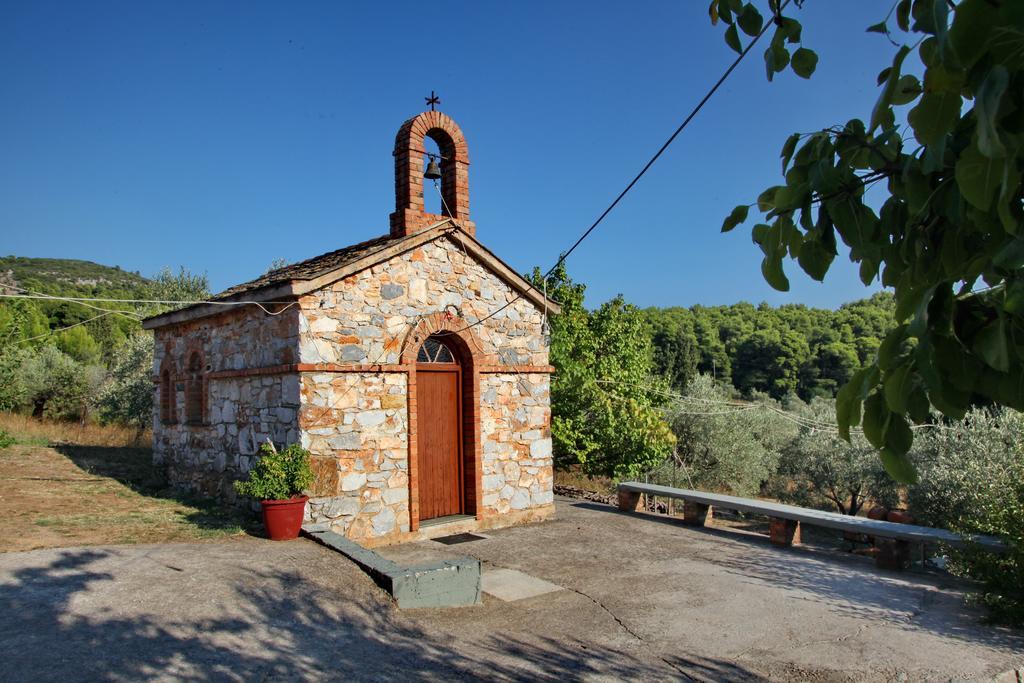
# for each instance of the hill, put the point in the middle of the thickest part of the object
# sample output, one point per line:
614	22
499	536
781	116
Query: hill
70	277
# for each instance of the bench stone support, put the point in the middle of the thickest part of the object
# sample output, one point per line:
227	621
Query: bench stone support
893	554
784	532
631	501
696	514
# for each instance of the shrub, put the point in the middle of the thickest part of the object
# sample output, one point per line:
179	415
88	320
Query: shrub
6	439
278	475
972	481
727	446
819	469
127	397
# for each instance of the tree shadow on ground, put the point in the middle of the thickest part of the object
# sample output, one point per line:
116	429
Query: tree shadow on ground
64	617
134	468
848	584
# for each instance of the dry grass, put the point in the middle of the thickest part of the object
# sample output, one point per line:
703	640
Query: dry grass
68	485
28	430
577	479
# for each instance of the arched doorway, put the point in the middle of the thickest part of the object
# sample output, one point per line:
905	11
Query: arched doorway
439	439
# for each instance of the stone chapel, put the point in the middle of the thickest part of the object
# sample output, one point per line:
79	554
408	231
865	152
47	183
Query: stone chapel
412	366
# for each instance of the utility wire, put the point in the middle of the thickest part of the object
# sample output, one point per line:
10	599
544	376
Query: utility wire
79	299
647	166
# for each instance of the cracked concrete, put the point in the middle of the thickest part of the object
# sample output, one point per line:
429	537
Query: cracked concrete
645	598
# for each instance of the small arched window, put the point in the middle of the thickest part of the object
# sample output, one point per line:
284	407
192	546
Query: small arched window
195	390
433	351
168	409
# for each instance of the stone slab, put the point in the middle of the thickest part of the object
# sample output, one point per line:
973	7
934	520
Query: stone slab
510	585
448	583
833	520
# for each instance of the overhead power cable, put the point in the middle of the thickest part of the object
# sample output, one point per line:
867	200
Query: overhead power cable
682	126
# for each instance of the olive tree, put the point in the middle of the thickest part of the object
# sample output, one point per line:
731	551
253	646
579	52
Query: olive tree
127	396
819	469
725	446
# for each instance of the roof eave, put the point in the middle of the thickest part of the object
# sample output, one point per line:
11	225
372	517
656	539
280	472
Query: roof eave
275	292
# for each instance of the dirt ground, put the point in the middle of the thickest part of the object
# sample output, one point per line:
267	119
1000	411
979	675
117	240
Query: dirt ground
68	495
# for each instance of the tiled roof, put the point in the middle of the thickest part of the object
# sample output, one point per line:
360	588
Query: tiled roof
313	267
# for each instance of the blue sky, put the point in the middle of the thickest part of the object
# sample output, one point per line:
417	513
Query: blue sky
220	136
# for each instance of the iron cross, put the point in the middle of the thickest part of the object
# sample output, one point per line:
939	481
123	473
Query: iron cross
432	100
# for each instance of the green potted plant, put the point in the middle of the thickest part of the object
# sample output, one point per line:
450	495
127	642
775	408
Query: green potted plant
277	481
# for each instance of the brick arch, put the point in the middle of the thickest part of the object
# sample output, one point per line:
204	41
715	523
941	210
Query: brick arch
196	374
409	216
463	342
168	397
441	323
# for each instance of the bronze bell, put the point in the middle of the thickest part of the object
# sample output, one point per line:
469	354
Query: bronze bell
433	171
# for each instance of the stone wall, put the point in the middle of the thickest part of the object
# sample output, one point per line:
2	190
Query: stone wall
364	318
241	411
356	424
515	418
356	429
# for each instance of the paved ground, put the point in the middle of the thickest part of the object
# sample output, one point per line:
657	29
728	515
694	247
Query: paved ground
642	598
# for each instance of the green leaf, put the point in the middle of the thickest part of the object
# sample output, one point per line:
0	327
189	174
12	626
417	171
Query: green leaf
776	58
935	116
991	344
766	200
899	466
876	419
804	62
788	148
848	402
986	109
815	258
880	27
1011	256
771	269
907	90
791	28
738	215
898	436
1014	297
897	387
732	38
889	351
903	15
884	100
978	176
750	20
918	407
973	23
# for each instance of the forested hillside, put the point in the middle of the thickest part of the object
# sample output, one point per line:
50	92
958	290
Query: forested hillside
791	349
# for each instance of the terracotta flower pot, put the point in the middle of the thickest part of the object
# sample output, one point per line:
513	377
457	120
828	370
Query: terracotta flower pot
878	512
900	516
283	518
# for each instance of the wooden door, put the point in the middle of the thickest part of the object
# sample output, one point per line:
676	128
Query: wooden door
439	439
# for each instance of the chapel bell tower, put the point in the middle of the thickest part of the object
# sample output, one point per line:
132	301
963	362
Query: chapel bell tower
452	168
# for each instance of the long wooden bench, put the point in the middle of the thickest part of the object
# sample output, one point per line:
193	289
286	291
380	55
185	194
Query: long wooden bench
785	521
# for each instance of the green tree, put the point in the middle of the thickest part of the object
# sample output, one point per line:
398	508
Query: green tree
127	395
726	446
819	469
675	346
604	400
949	235
79	344
55	384
770	360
